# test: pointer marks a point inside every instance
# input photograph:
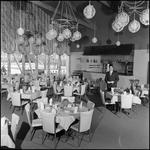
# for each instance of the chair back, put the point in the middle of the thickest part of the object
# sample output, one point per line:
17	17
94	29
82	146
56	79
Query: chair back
102	85
15	97
90	105
68	90
54	88
83	89
36	88
85	120
41	102
17	85
126	101
36	83
70	98
26	78
44	93
48	121
17	78
14	124
27	109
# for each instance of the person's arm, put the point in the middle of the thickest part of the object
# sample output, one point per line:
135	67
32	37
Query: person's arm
116	79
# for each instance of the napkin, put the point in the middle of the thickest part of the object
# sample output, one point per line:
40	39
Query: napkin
42	105
53	110
21	91
50	102
75	109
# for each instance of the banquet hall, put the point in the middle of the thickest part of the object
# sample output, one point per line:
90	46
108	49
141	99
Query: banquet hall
55	56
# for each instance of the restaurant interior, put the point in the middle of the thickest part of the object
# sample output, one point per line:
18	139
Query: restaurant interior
75	74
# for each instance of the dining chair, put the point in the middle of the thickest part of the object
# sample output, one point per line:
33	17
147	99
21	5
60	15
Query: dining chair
36	83
82	93
49	126
35	88
68	90
90	105
14	125
70	98
106	101
9	90
16	101
56	94
33	123
44	93
84	125
17	85
126	103
102	85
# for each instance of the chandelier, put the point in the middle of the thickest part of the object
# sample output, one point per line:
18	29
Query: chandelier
64	28
123	17
31	34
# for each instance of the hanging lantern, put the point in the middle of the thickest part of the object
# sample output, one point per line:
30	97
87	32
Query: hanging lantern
32	40
77	46
51	34
20	31
144	17
72	39
117	26
60	38
38	41
67	33
77	35
118	43
20	40
134	26
122	18
94	40
89	11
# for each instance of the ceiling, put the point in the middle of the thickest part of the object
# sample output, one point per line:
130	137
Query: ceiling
78	6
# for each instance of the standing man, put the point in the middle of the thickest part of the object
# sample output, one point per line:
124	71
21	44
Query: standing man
111	78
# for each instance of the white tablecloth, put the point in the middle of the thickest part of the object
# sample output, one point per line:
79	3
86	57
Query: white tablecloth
144	91
5	138
117	97
65	119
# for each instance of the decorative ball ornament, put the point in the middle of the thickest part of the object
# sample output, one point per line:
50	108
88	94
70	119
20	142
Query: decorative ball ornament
51	34
117	26
134	26
32	40
60	38
20	31
94	40
122	18
77	46
72	39
77	35
144	17
67	33
38	41
118	43
89	11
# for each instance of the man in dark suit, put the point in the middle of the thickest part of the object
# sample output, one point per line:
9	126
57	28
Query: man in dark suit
111	78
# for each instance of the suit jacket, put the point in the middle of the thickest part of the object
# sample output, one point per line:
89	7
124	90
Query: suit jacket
113	77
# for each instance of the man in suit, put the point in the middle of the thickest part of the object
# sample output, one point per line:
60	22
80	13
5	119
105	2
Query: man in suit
111	78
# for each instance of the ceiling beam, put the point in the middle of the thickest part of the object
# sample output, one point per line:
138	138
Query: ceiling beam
50	8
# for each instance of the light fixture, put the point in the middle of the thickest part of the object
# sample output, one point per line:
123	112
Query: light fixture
64	28
118	43
89	11
77	46
94	40
20	31
126	9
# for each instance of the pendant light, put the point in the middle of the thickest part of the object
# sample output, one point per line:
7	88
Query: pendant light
20	31
118	43
94	40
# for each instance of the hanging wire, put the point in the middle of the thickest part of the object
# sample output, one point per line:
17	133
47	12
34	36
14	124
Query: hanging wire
94	28
20	13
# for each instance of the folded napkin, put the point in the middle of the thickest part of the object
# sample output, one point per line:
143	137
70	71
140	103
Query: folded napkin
4	120
50	102
42	105
75	109
80	106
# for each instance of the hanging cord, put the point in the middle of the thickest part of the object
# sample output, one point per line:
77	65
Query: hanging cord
94	28
20	13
